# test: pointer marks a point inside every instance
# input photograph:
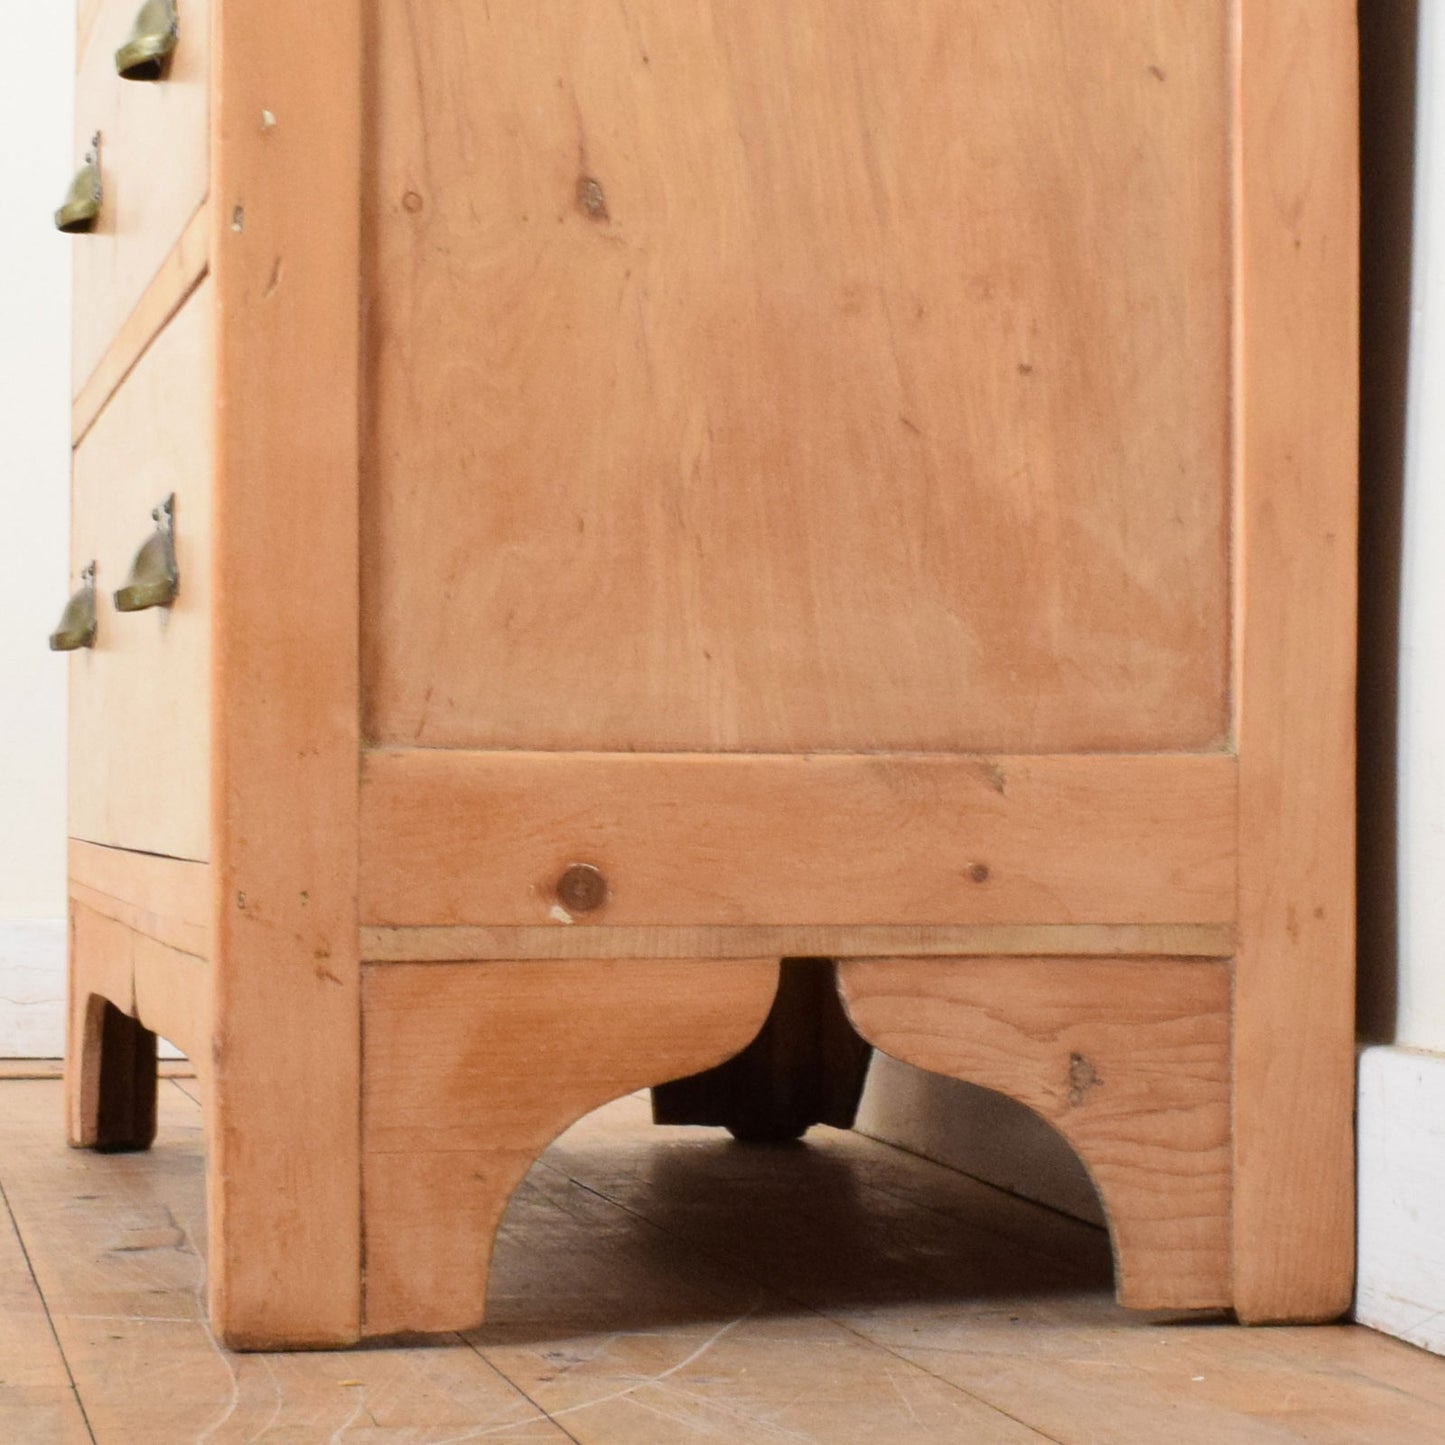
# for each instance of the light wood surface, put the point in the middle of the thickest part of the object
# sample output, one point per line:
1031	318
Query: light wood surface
483	838
1298	347
85	13
37	1400
173	998
180	273
656	1286
154	168
471	1070
164	898
1128	1059
284	1160
829	376
1066	940
140	758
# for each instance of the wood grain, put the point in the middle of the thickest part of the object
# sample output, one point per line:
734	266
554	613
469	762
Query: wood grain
1298	334
652	1285
180	273
482	838
1128	1059
471	1070
759	378
284	1162
120	1246
1066	940
37	1400
173	998
140	748
154	140
164	898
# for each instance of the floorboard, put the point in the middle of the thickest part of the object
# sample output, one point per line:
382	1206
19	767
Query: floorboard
661	1285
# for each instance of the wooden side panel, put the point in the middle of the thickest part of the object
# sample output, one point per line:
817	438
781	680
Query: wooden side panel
1128	1059
473	1069
153	164
832	375
484	838
284	1166
140	754
1298	325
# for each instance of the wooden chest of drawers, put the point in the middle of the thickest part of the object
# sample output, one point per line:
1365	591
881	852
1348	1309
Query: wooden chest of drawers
645	492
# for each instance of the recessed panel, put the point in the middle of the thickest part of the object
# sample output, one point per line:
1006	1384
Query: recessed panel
797	375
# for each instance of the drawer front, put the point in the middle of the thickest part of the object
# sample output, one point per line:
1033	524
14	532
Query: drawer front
154	166
139	713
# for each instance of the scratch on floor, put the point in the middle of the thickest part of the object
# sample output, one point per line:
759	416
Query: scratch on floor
204	1321
622	1394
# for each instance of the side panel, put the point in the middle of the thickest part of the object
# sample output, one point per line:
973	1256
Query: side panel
830	375
284	1168
1298	346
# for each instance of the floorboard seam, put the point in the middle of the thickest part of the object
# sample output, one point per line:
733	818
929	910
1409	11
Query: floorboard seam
502	1375
45	1305
784	1294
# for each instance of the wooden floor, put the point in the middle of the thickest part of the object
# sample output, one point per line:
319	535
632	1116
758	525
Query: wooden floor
660	1285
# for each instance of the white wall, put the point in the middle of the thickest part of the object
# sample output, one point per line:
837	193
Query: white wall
36	161
1402	1082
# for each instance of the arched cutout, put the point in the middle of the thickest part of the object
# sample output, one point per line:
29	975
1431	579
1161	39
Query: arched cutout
1127	1058
470	1070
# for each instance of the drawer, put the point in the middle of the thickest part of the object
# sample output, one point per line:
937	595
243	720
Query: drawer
139	712
154	167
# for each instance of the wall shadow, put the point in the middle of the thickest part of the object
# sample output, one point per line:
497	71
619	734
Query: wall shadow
1388	42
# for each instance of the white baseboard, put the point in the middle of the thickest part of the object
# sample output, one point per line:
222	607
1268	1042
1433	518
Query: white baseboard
1401	1287
32	988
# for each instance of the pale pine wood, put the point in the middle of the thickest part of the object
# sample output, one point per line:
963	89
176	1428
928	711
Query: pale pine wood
820	376
37	1401
153	165
471	1070
1128	1059
172	993
85	13
120	1246
652	1286
140	759
1067	940
284	1162
180	273
482	838
164	898
851	388
1294	1064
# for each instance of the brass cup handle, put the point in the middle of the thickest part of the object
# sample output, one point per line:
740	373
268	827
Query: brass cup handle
151	40
77	622
81	207
155	579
